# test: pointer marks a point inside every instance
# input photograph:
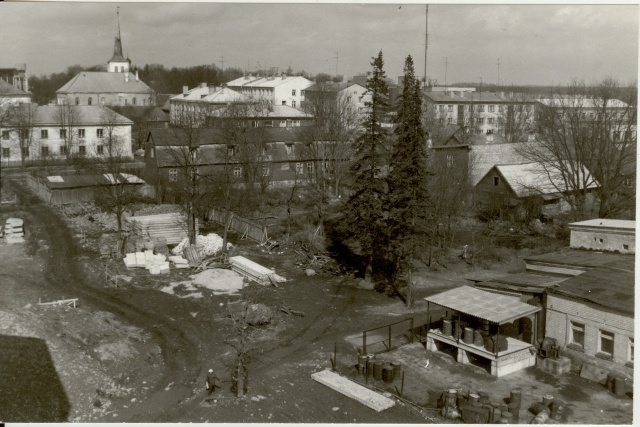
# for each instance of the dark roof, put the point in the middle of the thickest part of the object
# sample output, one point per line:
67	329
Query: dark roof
585	259
7	89
56	182
86	115
521	282
612	288
142	113
163	98
102	81
173	136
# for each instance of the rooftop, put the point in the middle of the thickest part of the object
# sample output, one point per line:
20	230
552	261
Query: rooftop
76	181
267	82
606	223
7	89
581	102
208	136
605	286
87	115
479	97
102	81
275	112
220	95
585	259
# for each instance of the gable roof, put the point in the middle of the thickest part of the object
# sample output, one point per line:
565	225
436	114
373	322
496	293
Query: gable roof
221	95
7	89
251	81
87	115
102	81
478	97
530	179
484	157
142	113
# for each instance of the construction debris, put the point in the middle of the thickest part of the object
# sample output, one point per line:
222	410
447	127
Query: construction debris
210	244
254	271
353	390
155	263
14	230
287	310
69	302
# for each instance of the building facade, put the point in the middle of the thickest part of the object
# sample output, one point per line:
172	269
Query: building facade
614	235
278	90
16	77
11	95
45	135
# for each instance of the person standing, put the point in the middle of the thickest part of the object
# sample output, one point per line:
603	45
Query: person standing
211	381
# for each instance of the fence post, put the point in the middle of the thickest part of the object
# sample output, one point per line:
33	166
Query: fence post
364	342
412	329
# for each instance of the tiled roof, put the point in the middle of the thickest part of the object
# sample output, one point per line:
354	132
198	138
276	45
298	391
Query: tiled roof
252	81
612	288
87	115
7	89
102	81
482	304
531	179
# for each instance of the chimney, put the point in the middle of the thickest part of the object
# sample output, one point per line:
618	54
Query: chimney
284	76
185	90
212	89
126	76
203	85
137	78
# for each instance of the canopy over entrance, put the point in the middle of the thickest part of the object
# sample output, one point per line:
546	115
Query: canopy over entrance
485	305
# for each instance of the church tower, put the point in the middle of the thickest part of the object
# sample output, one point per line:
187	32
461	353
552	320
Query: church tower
118	63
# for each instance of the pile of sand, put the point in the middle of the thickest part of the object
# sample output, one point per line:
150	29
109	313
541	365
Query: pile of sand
219	280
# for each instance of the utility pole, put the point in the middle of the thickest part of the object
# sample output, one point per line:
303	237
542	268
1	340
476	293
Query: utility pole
426	43
337	57
222	61
498	71
446	63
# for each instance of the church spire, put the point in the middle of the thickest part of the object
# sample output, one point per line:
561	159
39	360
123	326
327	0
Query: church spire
118	62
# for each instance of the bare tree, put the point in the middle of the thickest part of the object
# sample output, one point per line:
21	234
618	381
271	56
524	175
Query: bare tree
68	118
588	133
21	119
516	121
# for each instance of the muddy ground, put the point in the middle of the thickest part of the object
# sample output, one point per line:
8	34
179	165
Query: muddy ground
137	354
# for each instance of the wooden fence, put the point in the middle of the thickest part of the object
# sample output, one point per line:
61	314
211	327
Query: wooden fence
38	186
240	225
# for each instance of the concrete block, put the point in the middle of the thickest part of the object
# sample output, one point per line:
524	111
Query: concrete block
559	366
593	373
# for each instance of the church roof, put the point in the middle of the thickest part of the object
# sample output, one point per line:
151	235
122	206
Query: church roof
104	82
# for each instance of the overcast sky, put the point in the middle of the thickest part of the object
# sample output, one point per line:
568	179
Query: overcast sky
539	44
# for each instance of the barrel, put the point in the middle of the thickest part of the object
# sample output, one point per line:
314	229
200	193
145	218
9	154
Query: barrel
478	340
496	414
377	369
397	369
541	418
619	386
515	399
362	359
483	396
452	397
457	329
557	408
371	358
473	399
547	399
447	328
467	336
485	328
387	373
539	407
506	418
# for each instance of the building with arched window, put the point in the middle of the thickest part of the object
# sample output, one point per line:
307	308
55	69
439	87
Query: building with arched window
116	86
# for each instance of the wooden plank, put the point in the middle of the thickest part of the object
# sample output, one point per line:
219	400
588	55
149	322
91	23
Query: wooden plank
367	397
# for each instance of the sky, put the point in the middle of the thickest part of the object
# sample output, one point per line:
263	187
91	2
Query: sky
535	44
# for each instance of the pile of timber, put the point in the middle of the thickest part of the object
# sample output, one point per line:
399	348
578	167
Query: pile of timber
170	226
367	397
254	271
14	230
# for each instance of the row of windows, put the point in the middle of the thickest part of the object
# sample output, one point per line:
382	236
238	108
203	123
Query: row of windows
45	151
121	101
481	108
44	133
605	341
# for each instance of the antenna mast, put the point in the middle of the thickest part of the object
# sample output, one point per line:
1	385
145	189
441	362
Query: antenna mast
498	71
337	57
426	43
446	63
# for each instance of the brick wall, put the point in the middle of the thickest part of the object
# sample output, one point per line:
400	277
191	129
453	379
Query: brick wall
561	311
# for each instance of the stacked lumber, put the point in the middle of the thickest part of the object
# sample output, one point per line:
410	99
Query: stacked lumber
14	230
170	226
367	397
155	263
254	271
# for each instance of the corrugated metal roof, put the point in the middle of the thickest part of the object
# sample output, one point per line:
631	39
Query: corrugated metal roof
482	304
530	179
607	287
102	81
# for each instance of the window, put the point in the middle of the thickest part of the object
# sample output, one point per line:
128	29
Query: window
237	171
289	148
265	171
44	151
99	133
6	152
126	101
299	168
500	108
24	133
492	108
481	108
134	101
63	133
82	150
231	151
496	181
529	107
293	104
449	120
449	160
89	101
605	343
440	107
310	168
284	102
63	150
80	133
173	175
100	149
630	350
25	151
152	153
450	108
44	134
293	92
490	119
5	134
577	334
77	101
144	102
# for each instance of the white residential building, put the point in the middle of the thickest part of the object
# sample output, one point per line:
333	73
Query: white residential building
279	90
42	136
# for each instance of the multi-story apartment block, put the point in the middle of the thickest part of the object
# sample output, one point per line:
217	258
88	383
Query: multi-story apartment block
482	112
354	93
117	86
278	90
47	132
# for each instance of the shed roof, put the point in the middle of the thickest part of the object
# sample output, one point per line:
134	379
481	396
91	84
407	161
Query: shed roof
482	304
102	81
58	182
585	259
612	288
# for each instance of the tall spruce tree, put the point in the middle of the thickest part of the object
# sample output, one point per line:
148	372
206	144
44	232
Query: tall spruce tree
365	208
408	201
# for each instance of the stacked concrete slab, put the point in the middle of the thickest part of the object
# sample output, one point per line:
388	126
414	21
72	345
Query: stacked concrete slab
155	263
254	271
14	230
